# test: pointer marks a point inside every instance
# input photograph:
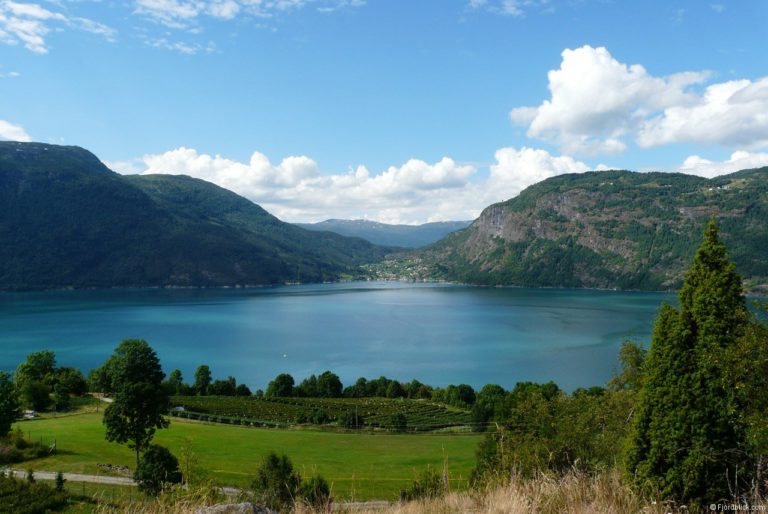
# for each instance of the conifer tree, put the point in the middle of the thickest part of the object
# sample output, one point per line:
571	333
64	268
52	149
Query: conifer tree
688	442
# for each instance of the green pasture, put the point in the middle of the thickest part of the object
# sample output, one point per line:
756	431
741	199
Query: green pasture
360	466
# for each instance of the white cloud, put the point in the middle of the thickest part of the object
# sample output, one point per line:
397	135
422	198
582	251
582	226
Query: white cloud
416	191
182	47
516	8
185	14
28	24
598	104
515	170
730	114
11	132
596	101
741	160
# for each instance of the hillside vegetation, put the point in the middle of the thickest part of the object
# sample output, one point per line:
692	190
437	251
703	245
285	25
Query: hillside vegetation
607	229
68	221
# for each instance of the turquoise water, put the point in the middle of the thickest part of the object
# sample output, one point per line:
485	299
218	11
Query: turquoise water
439	334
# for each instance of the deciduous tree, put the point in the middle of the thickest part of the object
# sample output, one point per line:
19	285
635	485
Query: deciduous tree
140	401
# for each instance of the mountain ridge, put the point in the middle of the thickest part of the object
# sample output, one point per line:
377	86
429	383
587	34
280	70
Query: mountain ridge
605	229
72	222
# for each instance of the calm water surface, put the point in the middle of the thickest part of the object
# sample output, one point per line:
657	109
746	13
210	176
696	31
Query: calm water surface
439	334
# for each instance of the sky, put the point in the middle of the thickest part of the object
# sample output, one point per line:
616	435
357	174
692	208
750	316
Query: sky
400	111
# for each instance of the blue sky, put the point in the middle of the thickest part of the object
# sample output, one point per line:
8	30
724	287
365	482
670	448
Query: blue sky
392	110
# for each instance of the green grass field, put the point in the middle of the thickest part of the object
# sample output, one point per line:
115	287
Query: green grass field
360	466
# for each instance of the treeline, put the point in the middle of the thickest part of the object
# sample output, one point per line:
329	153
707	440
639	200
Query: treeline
324	385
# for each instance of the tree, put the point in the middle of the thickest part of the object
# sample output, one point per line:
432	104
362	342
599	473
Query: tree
202	380
157	468
72	379
139	399
9	404
35	394
329	385
395	390
39	367
276	484
226	387
688	438
175	381
242	390
34	378
282	385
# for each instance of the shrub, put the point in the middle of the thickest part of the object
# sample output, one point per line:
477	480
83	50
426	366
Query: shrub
157	468
351	419
20	497
427	485
276	484
316	493
398	422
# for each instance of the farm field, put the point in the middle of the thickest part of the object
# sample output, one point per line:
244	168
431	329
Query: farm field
420	415
359	466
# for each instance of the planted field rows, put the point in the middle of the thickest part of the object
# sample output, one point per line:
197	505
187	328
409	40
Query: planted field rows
420	415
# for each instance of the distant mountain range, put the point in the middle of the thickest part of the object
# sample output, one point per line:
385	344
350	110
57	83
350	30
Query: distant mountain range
407	236
68	221
607	229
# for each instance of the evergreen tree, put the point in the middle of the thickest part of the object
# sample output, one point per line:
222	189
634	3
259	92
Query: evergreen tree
688	443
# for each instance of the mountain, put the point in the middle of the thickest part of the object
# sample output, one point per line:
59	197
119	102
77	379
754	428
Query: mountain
607	229
407	236
68	221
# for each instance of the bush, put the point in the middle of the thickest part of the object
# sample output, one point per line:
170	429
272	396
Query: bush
20	497
398	422
428	485
316	493
276	484
350	419
156	468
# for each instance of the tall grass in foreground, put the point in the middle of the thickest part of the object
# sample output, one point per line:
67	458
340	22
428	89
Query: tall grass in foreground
573	493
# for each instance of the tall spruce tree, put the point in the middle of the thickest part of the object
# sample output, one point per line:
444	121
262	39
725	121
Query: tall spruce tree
688	443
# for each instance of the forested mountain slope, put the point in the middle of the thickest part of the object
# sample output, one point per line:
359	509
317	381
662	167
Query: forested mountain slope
607	229
68	221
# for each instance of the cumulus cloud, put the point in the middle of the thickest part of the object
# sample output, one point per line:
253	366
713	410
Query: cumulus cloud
731	113
28	24
416	191
596	101
741	160
11	132
597	104
515	170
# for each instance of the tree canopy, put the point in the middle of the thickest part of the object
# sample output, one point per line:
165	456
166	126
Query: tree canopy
140	401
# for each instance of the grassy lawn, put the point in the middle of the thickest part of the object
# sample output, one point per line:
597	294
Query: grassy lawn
360	466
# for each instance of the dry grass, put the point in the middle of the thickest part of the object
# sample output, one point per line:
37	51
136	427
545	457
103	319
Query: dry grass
574	493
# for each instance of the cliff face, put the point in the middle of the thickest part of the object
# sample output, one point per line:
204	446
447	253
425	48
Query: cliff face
612	229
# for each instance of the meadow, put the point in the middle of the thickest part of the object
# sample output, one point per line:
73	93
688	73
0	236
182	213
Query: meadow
359	466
